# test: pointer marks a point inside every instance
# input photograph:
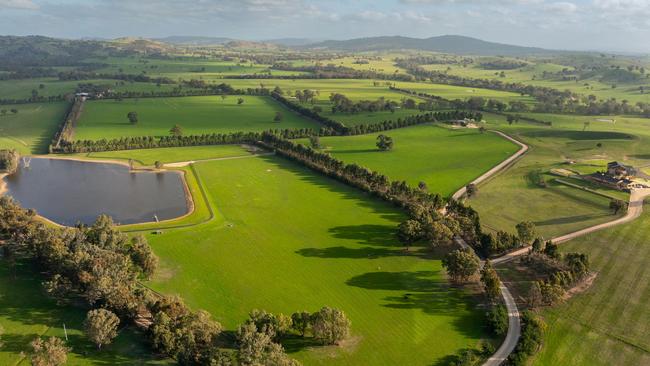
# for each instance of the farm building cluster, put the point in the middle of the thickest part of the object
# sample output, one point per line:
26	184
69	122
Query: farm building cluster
617	176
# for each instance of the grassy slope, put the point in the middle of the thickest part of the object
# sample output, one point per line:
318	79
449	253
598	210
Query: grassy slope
511	197
196	115
171	155
295	241
443	158
26	313
609	323
32	129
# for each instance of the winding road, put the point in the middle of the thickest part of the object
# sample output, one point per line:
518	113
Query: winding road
635	209
180	164
501	166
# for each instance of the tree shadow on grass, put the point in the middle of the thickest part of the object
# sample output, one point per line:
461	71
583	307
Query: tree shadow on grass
364	199
357	151
570	219
294	343
579	135
433	296
379	235
360	253
419	281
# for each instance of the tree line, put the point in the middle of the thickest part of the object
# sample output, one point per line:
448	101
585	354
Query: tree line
332	127
396	192
549	100
98	267
481	104
152	142
66	129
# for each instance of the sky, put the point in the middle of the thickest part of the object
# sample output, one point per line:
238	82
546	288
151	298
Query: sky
603	25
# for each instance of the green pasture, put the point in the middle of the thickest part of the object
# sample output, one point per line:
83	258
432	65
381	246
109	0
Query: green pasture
533	75
26	313
608	323
196	115
148	157
48	87
31	130
294	240
444	158
462	92
185	68
513	196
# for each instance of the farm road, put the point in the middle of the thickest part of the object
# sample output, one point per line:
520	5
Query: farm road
181	164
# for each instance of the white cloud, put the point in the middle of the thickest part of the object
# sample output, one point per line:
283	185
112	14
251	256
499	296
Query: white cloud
18	4
561	7
372	15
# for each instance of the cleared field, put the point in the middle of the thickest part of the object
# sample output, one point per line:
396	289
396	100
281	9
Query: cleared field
293	240
609	323
196	115
444	158
31	130
25	313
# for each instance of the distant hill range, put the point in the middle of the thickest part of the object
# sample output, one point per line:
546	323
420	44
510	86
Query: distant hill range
194	40
293	42
445	44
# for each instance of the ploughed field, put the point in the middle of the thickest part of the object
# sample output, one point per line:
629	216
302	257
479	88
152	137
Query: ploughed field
286	239
195	115
444	158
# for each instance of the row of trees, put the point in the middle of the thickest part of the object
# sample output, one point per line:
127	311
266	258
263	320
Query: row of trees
375	183
343	104
549	100
88	75
332	127
99	266
66	129
174	140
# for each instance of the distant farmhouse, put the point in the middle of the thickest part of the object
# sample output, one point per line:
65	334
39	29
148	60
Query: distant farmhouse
616	169
462	122
618	176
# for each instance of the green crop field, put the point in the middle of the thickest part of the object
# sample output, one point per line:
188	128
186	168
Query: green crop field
290	240
196	115
31	130
608	323
26	313
444	158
